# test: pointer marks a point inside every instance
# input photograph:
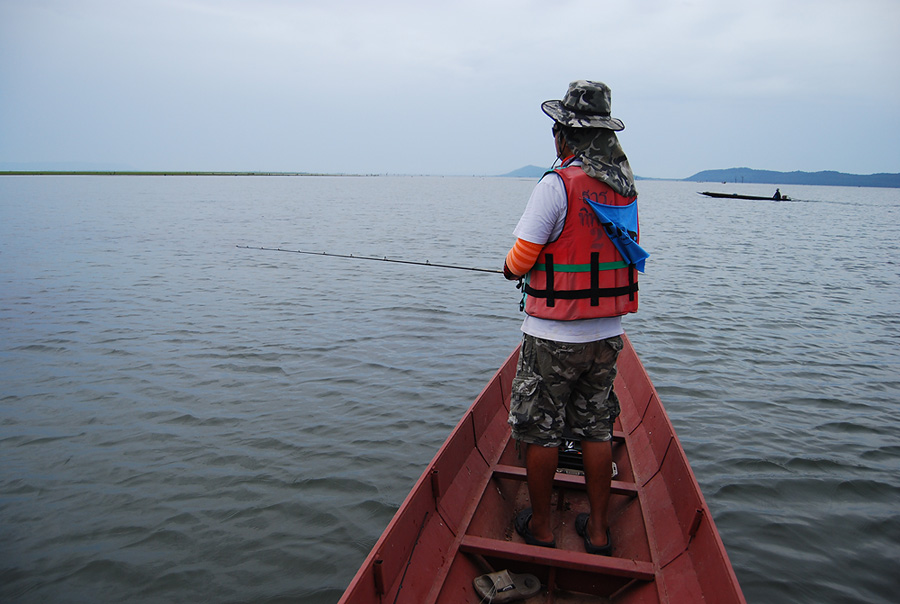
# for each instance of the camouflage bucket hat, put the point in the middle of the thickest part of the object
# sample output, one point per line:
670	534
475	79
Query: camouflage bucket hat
586	105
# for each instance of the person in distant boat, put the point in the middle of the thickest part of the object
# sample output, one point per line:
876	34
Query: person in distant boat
777	196
577	287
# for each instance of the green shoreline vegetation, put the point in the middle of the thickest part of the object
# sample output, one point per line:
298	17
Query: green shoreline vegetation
163	173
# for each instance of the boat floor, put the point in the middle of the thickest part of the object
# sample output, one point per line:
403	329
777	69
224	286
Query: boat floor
567	571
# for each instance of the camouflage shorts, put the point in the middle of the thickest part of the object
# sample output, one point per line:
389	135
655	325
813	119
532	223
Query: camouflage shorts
564	388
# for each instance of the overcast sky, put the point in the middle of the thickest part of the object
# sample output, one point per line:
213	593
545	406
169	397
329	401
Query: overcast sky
420	87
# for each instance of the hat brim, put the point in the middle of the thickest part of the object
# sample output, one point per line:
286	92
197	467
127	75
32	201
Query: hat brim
574	119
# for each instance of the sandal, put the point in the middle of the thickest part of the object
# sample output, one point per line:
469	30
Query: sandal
504	586
581	528
523	529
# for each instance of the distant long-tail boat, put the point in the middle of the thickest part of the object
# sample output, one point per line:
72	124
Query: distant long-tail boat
739	196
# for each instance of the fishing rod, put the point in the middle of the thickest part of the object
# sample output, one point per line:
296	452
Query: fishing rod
384	259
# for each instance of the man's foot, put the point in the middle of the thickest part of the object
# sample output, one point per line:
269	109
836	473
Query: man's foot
581	522
522	522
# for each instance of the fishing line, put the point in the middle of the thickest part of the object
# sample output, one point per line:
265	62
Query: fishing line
384	259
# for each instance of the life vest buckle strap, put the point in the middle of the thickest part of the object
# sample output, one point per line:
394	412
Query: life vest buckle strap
577	294
548	261
631	282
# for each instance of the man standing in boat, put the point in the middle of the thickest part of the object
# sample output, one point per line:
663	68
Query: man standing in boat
570	243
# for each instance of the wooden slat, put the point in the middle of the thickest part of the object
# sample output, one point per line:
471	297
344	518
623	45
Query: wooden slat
564	480
508	550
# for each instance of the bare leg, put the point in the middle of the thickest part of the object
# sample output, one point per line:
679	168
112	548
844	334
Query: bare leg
597	458
541	462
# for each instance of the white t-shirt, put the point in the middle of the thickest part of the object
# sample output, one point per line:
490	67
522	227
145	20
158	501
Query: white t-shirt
543	221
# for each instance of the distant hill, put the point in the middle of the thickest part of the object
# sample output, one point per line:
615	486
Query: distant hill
527	172
748	175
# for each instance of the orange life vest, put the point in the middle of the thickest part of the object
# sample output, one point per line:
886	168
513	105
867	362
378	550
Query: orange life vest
581	275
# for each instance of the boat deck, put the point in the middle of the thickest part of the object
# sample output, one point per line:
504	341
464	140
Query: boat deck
457	523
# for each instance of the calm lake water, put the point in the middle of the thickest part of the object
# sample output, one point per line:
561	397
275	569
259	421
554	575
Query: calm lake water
182	420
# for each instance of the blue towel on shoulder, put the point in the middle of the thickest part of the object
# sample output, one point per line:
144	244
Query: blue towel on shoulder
620	222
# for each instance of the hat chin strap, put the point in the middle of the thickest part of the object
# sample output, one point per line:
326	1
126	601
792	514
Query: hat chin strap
562	147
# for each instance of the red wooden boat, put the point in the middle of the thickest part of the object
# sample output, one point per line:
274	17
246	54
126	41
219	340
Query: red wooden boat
457	523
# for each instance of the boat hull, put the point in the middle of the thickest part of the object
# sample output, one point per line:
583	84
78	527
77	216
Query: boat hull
738	196
457	522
